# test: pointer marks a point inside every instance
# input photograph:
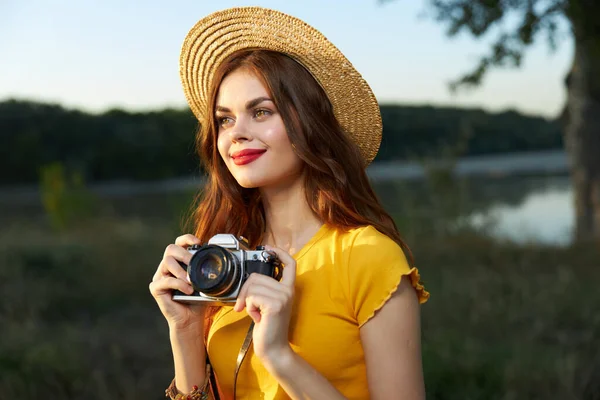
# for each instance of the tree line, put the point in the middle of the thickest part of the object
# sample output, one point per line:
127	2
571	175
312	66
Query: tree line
120	144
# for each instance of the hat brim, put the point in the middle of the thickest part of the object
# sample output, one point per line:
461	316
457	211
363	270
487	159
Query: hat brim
222	33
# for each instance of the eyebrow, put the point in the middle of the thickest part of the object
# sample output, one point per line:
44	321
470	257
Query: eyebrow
250	104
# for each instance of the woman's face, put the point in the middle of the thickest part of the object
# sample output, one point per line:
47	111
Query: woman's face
252	138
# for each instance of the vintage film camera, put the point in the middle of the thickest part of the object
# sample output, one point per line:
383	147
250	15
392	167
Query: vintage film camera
219	268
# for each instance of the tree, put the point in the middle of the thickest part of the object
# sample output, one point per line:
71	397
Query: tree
581	115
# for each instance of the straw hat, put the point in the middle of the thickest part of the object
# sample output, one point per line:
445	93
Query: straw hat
222	33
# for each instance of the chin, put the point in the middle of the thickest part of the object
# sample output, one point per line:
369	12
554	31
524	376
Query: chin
257	179
249	182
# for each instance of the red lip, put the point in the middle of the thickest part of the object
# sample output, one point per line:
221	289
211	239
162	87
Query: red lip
247	152
247	156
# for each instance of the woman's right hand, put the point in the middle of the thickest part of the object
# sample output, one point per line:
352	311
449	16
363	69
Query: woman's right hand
169	276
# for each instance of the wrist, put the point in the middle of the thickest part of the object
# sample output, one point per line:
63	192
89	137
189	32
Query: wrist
279	362
186	332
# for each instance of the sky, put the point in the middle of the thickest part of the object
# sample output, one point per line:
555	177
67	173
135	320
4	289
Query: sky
100	54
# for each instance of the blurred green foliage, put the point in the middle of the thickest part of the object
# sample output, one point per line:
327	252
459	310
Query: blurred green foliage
427	131
64	196
112	145
160	144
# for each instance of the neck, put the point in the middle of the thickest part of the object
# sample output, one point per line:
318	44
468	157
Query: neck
290	223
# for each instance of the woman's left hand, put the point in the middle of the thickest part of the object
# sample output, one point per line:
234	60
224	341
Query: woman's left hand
269	304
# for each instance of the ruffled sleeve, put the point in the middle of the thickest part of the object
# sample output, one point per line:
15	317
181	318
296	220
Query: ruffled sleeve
375	266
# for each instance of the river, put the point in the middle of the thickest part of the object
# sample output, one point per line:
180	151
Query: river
522	196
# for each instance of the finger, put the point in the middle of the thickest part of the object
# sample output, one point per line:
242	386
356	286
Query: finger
258	289
158	274
289	271
259	303
259	279
170	266
187	240
178	253
166	285
240	302
254	280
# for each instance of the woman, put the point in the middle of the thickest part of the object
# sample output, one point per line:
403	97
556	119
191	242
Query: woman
287	129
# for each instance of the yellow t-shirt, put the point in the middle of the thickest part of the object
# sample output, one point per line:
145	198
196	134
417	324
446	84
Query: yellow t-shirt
342	279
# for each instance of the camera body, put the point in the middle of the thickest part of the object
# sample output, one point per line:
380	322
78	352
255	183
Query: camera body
219	268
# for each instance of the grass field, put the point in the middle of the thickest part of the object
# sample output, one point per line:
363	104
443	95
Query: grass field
505	321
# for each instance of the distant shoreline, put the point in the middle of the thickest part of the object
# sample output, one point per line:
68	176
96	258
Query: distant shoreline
553	162
548	162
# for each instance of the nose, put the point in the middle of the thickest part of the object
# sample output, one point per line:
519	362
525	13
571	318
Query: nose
240	131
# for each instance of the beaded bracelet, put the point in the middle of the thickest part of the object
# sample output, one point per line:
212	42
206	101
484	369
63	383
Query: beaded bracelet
196	393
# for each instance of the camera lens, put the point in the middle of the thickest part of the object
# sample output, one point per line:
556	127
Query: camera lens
211	268
213	271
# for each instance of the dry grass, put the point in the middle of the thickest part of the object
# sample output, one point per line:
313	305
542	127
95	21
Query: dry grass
505	321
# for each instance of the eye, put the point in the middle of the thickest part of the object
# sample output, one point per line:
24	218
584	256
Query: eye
224	121
260	113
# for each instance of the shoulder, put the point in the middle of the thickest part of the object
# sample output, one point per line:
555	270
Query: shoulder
375	262
363	235
367	241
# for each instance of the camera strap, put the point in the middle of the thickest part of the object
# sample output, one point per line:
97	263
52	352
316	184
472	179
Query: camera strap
242	355
240	358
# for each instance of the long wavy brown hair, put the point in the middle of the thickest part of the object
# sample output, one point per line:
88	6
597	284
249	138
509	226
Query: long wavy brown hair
336	184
